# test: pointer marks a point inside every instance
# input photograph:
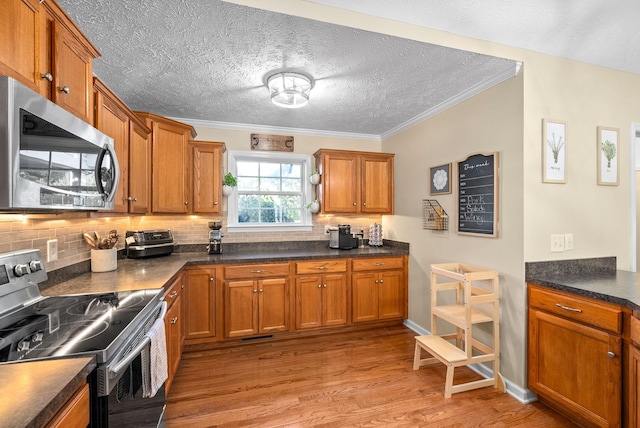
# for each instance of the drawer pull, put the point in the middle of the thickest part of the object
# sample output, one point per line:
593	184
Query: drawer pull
257	271
174	320
378	264
173	294
567	308
611	354
321	268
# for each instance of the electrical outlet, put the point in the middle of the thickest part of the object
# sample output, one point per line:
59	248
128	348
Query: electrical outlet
557	243
568	241
52	250
326	229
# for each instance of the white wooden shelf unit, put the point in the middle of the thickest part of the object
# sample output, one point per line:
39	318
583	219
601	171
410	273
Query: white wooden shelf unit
474	304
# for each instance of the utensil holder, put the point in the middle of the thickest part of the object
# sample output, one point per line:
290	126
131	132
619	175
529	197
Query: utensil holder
104	260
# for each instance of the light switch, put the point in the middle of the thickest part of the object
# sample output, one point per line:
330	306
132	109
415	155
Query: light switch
557	243
52	250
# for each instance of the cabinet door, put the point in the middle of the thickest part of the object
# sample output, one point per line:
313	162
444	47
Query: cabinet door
308	302
365	296
390	295
589	387
206	172
169	169
241	308
139	168
334	299
173	327
114	122
73	75
376	184
200	304
634	386
273	307
19	41
340	183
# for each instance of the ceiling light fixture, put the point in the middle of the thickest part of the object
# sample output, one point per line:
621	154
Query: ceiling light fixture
289	90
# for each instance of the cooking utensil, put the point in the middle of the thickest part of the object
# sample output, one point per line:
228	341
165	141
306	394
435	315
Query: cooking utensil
91	241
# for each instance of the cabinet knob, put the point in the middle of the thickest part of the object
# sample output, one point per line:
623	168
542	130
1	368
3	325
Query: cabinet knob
174	320
382	281
261	290
186	202
319	285
211	279
325	286
65	89
611	354
364	204
47	76
355	204
215	202
255	291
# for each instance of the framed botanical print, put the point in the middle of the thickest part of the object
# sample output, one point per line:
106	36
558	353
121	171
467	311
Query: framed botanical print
440	179
608	156
554	151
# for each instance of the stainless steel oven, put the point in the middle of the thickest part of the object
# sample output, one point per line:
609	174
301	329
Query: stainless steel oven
114	327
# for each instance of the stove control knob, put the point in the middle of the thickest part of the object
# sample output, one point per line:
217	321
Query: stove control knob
37	336
21	269
35	265
24	345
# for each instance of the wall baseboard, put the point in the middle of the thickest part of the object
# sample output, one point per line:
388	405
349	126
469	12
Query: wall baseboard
523	395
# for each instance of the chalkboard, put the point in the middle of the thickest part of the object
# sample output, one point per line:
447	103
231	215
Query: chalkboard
477	195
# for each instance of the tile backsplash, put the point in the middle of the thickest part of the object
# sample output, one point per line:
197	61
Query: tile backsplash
18	232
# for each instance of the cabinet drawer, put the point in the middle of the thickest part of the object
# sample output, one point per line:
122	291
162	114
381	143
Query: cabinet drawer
634	332
378	263
173	291
321	266
256	271
584	310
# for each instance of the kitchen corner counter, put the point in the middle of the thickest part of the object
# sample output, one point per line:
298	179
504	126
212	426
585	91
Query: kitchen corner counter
34	392
138	274
594	278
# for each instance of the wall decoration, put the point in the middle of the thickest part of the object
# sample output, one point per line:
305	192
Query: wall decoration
554	151
608	156
440	179
272	143
478	195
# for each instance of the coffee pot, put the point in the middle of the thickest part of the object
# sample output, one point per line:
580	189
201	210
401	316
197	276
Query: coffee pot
215	238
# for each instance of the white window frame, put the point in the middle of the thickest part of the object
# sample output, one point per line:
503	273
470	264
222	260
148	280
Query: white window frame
233	156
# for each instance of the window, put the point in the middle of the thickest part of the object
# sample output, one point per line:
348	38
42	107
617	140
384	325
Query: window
272	192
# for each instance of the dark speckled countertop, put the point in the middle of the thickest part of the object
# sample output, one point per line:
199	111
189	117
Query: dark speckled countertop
595	278
34	392
136	274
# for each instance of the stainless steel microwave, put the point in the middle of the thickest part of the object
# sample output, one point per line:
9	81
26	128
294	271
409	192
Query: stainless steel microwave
50	160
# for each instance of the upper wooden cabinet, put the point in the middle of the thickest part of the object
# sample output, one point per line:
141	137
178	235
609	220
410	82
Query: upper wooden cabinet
132	144
41	47
170	190
206	176
355	182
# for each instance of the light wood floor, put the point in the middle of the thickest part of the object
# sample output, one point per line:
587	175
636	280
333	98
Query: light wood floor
355	379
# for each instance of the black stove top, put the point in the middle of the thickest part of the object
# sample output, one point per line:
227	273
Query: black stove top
74	324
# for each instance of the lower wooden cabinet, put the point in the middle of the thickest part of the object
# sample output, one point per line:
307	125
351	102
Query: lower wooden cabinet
575	356
174	328
254	307
75	414
200	303
378	286
321	301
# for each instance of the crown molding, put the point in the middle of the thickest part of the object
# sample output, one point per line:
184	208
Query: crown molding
462	96
197	123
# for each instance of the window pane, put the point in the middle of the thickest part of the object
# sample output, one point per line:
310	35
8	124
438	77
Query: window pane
270	184
248	183
291	185
248	169
269	169
291	170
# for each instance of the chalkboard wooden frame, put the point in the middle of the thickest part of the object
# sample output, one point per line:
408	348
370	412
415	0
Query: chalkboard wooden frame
478	200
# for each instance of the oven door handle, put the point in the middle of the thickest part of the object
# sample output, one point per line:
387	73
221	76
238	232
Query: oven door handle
138	349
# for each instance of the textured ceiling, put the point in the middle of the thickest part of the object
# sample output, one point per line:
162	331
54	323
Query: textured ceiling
207	60
592	31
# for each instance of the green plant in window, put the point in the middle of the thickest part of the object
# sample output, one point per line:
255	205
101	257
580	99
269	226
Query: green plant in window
609	151
230	180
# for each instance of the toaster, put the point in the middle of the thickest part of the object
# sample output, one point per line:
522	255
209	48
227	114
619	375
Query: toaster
148	243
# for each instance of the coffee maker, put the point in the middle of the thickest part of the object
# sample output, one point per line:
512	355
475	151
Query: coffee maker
215	238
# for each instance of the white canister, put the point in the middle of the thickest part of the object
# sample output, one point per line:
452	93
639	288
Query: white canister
104	260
